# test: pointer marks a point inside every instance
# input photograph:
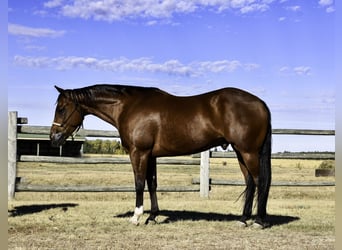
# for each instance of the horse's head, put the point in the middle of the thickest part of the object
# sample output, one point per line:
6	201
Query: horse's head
68	118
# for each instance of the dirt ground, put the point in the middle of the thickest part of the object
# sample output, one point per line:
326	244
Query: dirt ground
300	217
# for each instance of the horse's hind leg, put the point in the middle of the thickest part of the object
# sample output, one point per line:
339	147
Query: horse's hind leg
151	178
251	161
250	166
249	197
249	191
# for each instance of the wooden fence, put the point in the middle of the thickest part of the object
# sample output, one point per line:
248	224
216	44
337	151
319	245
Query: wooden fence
204	180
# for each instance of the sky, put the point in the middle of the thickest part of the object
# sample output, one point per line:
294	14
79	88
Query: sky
280	50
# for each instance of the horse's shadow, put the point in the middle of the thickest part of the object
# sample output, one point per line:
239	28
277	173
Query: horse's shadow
32	209
175	215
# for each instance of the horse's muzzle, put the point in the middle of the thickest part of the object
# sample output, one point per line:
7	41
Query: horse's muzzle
57	139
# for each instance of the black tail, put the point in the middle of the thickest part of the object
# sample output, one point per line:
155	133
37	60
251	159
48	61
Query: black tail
265	172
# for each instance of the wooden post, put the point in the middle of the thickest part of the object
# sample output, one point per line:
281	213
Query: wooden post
204	174
12	152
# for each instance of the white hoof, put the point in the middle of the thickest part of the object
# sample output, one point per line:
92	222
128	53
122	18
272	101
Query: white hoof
256	225
138	212
241	224
134	220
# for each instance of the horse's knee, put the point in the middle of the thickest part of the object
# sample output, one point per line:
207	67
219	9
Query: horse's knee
139	186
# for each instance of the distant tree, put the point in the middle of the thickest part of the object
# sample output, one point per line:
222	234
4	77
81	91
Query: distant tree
99	146
106	147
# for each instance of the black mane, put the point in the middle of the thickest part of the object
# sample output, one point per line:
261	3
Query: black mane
99	93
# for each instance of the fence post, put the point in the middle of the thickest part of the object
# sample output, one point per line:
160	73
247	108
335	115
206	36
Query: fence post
12	152
204	174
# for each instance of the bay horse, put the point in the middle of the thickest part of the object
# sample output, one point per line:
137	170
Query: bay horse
153	123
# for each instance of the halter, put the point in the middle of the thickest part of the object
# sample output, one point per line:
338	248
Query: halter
77	127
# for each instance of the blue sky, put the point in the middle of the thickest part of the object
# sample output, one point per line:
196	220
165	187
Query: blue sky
280	50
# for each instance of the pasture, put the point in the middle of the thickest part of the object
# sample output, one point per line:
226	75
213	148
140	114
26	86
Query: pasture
301	217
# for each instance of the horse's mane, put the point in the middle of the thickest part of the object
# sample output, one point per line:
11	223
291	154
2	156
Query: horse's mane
106	93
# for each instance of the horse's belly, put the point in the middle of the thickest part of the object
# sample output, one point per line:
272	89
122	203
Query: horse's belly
185	144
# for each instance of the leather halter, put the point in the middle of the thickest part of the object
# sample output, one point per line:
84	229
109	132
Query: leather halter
77	127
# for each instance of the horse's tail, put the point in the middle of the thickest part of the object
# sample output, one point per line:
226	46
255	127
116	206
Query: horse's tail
265	172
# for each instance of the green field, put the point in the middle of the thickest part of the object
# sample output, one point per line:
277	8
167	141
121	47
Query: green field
302	217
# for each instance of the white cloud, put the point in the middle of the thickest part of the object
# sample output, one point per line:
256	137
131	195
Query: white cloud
20	30
284	69
302	70
328	4
218	66
34	48
251	66
330	9
53	3
299	70
325	2
294	8
151	23
143	64
255	7
113	10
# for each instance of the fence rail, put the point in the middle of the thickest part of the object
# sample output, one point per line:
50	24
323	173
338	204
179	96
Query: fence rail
14	128
302	132
23	187
45	130
114	160
26	129
274	183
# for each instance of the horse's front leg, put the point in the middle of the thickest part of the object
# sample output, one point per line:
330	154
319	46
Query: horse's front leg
151	178
139	162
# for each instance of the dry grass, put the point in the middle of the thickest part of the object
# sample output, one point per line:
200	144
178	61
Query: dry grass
302	217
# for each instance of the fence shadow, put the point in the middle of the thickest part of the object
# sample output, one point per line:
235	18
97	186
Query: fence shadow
175	215
32	209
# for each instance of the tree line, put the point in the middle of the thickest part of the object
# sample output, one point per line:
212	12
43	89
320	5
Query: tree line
99	146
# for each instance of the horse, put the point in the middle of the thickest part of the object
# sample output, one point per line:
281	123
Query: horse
153	123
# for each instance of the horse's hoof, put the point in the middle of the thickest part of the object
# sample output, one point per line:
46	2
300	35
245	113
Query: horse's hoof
256	225
260	225
134	221
240	223
151	221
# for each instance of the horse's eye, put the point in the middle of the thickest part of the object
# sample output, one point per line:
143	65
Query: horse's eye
61	110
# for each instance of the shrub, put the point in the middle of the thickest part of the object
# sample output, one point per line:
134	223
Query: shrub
327	164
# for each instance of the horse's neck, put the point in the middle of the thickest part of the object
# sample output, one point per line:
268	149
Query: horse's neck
108	112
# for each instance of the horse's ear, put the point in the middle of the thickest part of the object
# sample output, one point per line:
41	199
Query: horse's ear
60	90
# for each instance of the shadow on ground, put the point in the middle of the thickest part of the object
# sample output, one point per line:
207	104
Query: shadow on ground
174	216
32	209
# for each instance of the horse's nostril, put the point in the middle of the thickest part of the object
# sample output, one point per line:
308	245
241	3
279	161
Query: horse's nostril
56	139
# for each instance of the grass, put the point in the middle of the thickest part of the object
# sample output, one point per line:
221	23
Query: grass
302	217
